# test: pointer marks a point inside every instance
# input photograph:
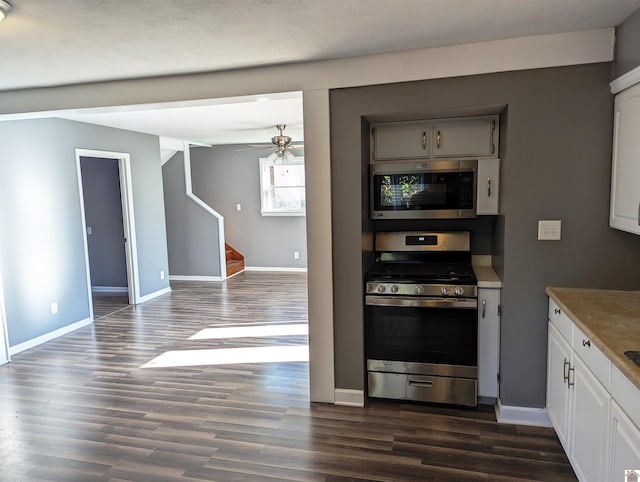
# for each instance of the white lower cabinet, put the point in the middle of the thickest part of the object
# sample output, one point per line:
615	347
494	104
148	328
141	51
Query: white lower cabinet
589	421
600	440
488	342
558	364
624	444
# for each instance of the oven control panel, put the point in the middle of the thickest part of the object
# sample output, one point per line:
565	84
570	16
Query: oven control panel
412	289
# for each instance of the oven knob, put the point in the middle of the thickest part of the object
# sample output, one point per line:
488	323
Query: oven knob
381	288
394	288
419	290
459	290
444	291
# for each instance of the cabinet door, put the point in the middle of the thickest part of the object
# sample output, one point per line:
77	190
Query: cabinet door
590	410
625	176
401	140
465	137
624	444
558	364
488	342
488	185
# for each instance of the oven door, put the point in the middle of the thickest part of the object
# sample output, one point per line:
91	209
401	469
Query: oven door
422	349
436	189
416	330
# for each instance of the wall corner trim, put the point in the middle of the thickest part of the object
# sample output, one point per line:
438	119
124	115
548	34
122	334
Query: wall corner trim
49	336
109	289
179	277
275	268
625	81
511	414
349	398
155	294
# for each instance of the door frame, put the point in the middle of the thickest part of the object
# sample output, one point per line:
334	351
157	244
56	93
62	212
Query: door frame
5	357
128	220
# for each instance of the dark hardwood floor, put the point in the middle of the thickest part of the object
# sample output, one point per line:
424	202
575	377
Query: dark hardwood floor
83	408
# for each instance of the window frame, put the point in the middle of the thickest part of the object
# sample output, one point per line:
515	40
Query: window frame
266	185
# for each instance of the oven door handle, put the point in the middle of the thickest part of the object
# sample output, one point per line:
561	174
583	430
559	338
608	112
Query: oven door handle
414	301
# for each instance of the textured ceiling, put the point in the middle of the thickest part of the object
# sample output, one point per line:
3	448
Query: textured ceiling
45	43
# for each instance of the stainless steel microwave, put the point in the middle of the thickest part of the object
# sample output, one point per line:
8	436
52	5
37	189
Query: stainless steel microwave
440	189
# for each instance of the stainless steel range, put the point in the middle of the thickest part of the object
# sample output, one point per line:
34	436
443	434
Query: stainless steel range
421	318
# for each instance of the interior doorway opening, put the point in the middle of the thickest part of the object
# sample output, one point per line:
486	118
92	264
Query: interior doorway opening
106	203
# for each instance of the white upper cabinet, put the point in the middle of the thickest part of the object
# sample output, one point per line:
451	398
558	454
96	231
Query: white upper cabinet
625	176
466	137
401	140
488	185
463	137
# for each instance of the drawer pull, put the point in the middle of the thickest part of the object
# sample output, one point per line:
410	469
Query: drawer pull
557	311
569	382
418	384
586	343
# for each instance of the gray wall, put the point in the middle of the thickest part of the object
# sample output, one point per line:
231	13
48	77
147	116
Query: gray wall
556	153
103	213
627	51
192	232
224	177
42	253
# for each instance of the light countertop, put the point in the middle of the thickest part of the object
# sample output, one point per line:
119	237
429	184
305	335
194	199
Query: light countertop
485	275
611	320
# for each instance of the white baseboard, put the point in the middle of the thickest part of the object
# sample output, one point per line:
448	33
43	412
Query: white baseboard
267	268
179	277
25	345
349	398
109	289
510	414
155	294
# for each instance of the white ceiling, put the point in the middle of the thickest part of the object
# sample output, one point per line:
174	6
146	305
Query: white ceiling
45	43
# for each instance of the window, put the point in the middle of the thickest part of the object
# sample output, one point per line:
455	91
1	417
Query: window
282	187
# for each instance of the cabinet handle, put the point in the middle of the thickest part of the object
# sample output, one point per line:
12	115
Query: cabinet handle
484	308
493	145
569	382
556	311
586	343
424	140
638	213
565	373
438	139
374	150
489	187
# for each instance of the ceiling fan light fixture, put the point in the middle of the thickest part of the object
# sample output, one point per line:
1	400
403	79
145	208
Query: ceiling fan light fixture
5	8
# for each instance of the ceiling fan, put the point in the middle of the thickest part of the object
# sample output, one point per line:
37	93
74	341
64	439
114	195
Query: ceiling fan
283	145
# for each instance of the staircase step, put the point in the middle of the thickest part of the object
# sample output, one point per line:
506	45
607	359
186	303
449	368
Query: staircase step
234	266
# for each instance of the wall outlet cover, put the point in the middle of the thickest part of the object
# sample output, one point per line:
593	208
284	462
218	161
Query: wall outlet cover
54	308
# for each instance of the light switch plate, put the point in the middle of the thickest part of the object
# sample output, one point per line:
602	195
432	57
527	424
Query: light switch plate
549	230
238	207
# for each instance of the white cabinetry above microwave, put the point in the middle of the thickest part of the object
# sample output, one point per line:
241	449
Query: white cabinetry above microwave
464	137
625	176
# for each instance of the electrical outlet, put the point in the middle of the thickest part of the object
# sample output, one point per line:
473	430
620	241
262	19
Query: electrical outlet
238	207
161	274
54	308
296	255
549	230
89	231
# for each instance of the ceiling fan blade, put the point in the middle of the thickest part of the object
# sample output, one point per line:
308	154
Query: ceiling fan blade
255	147
296	146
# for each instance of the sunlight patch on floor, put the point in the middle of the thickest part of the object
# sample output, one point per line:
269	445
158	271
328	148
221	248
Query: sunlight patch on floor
229	356
251	331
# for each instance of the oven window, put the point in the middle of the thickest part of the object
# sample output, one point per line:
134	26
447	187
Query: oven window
423	191
424	335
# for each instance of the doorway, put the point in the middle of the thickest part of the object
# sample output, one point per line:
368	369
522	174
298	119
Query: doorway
109	230
4	338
